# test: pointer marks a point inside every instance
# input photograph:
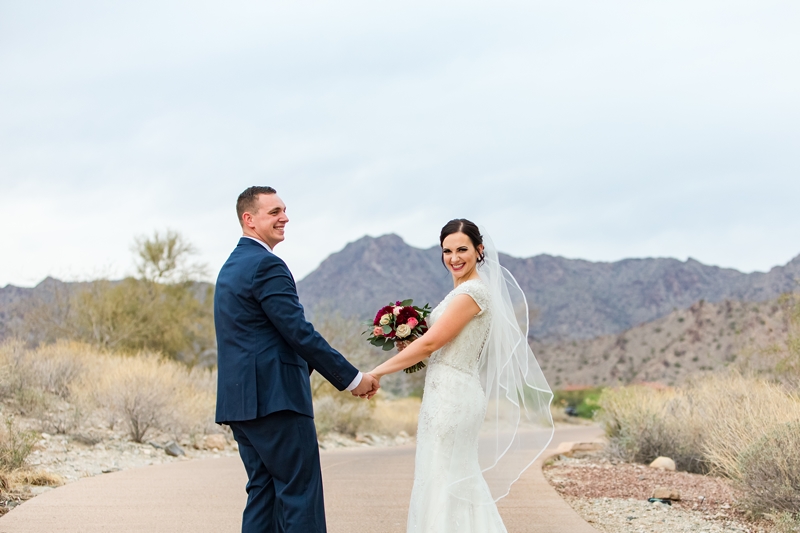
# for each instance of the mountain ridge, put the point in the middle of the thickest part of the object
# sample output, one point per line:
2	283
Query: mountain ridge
570	298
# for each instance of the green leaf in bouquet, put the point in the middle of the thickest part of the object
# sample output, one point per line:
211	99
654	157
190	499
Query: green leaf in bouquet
387	330
414	368
406	303
389	345
377	341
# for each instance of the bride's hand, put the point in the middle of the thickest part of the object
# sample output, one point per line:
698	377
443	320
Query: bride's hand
377	378
376	384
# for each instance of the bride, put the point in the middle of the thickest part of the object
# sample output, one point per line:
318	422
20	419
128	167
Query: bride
485	413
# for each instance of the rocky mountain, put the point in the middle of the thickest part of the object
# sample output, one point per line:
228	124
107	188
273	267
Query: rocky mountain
569	298
704	338
13	301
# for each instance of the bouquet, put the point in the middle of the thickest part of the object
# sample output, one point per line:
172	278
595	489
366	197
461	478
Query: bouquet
399	325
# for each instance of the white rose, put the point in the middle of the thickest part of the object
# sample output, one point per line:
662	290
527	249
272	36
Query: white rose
403	331
385	319
397	310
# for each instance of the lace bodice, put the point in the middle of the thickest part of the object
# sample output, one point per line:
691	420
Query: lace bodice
463	352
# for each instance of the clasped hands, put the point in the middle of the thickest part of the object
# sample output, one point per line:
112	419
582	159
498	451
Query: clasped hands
368	387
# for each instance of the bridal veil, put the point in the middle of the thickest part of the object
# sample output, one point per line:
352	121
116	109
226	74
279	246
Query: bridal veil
518	425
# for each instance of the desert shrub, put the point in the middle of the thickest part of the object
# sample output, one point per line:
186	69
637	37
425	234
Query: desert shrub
50	369
56	415
337	413
704	426
62	384
37	383
642	424
15	445
148	392
390	417
737	411
54	368
14	372
770	470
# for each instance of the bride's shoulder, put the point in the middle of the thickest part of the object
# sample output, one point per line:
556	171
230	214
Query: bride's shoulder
473	285
477	289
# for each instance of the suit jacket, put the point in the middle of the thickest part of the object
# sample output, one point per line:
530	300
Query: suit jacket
266	349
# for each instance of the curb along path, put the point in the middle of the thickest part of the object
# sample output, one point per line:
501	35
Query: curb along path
365	488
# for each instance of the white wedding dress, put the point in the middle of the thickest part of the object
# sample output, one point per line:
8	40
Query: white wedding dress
453	409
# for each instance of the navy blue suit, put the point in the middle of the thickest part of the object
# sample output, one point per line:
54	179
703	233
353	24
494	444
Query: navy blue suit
266	350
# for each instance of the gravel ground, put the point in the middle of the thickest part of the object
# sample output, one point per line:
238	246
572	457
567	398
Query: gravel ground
74	457
613	497
613	515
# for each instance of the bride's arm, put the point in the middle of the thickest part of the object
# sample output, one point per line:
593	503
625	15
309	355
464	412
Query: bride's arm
457	315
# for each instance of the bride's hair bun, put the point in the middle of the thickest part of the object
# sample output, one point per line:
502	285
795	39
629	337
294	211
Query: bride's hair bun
468	228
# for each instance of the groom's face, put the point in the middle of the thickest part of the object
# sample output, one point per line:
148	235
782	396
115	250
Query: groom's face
269	222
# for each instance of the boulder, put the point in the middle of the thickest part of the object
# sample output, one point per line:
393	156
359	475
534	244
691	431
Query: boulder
662	493
173	449
216	441
663	463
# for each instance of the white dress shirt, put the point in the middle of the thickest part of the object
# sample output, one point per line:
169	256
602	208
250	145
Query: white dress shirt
357	380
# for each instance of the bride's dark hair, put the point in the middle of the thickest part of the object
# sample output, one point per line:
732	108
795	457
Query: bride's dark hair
468	228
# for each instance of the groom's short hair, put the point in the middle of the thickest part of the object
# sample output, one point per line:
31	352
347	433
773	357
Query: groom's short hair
247	201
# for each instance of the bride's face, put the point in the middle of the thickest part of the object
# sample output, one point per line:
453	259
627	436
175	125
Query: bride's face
459	255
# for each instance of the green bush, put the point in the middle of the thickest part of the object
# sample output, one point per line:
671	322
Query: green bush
583	401
15	445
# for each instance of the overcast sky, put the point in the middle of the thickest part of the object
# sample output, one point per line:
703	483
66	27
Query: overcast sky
595	130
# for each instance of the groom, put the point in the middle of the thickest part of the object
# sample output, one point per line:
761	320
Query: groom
266	352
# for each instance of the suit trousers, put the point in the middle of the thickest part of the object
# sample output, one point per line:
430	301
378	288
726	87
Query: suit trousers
284	489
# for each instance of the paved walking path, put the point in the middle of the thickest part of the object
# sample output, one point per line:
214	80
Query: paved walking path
208	496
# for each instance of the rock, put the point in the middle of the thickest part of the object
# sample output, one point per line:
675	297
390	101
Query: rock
663	463
662	493
174	450
216	441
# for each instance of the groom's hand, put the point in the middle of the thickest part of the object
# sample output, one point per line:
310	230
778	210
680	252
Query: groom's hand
367	388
